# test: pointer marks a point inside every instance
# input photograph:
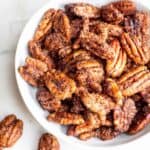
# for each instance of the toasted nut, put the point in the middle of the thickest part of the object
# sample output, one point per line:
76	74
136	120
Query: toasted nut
11	130
48	142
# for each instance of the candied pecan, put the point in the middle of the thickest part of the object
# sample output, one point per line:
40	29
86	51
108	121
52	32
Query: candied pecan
134	81
141	120
92	122
61	24
38	53
45	25
65	118
136	41
48	142
89	74
98	103
124	115
111	14
33	71
106	133
146	94
87	135
83	10
59	84
11	130
112	89
127	7
47	101
116	66
55	41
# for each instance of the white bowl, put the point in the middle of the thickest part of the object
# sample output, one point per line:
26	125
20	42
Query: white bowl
28	93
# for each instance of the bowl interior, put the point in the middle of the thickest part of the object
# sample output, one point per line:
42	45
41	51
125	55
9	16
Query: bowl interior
28	93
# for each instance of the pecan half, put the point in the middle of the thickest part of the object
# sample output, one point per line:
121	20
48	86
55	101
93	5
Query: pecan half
65	118
124	115
59	84
47	101
48	142
61	24
11	130
136	40
116	66
38	53
33	71
45	25
134	81
83	10
98	103
92	122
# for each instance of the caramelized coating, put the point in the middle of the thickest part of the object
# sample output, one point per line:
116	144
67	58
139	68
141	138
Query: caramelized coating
111	14
33	71
65	118
91	67
92	122
89	74
45	25
55	41
83	10
95	43
114	12
38	53
106	133
61	24
134	81
112	89
98	103
141	120
48	142
123	116
116	66
127	7
87	71
136	41
60	85
47	101
11	130
146	95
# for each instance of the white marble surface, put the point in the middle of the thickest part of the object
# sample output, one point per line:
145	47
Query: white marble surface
14	14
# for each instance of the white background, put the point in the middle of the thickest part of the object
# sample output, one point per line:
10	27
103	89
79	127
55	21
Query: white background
14	14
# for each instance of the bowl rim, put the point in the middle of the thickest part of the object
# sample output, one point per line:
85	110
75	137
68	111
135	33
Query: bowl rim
60	135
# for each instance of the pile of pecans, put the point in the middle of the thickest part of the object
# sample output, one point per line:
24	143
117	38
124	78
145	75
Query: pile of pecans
91	67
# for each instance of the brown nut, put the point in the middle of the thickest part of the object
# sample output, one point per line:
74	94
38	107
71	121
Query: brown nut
33	71
134	81
11	130
59	84
146	95
48	142
83	10
45	25
65	118
97	103
124	115
111	14
47	101
116	66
